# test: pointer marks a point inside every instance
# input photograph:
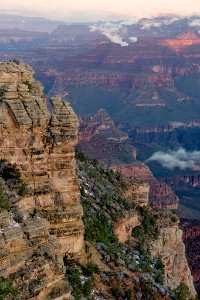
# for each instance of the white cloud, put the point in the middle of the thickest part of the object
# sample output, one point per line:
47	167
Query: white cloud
176	159
195	23
133	39
147	24
112	31
115	38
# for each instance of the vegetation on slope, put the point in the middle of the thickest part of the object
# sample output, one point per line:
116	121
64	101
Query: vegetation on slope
116	271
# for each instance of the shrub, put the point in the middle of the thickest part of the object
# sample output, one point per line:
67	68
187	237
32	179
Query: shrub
128	295
4	200
182	292
87	288
90	269
7	289
30	86
80	156
9	171
116	291
75	282
22	189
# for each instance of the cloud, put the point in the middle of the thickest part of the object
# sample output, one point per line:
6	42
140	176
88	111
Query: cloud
149	23
115	38
180	159
176	124
129	22
116	32
195	23
133	39
113	31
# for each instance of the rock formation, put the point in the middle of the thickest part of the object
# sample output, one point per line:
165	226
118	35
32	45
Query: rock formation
42	147
123	228
170	247
100	124
99	138
191	237
160	194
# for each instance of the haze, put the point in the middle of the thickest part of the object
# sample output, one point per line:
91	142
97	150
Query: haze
88	10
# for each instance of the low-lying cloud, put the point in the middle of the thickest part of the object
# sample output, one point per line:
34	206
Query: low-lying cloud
150	23
115	32
195	23
180	159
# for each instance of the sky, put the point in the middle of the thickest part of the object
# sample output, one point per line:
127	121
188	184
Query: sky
93	10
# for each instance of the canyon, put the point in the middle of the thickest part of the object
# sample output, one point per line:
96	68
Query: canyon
126	97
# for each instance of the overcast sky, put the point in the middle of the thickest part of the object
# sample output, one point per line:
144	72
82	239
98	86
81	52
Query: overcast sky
83	10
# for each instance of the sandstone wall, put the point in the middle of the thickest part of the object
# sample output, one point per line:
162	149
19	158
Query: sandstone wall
41	145
170	247
123	228
160	194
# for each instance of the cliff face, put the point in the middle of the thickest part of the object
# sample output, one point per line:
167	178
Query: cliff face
31	257
191	237
170	247
160	194
42	147
99	138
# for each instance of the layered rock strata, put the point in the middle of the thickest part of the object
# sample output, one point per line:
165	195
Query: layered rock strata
30	256
42	147
170	247
160	194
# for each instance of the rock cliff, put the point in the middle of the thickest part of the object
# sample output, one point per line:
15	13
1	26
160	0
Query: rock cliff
171	249
42	147
191	237
160	194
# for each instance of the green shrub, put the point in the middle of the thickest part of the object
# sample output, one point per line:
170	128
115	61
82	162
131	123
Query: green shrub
116	291
22	189
87	288
30	86
128	295
75	282
9	171
7	289
182	292
4	200
80	156
90	269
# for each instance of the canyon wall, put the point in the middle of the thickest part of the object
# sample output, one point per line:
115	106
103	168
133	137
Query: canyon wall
42	147
191	237
170	247
160	194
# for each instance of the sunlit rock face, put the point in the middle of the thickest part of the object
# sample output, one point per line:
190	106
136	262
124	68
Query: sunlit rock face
41	144
170	247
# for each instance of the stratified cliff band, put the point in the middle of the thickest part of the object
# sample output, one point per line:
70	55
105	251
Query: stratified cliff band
42	146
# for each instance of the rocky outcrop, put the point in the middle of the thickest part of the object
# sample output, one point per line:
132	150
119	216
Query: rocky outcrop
137	191
160	194
170	247
31	257
42	147
17	35
123	228
99	138
100	124
191	238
